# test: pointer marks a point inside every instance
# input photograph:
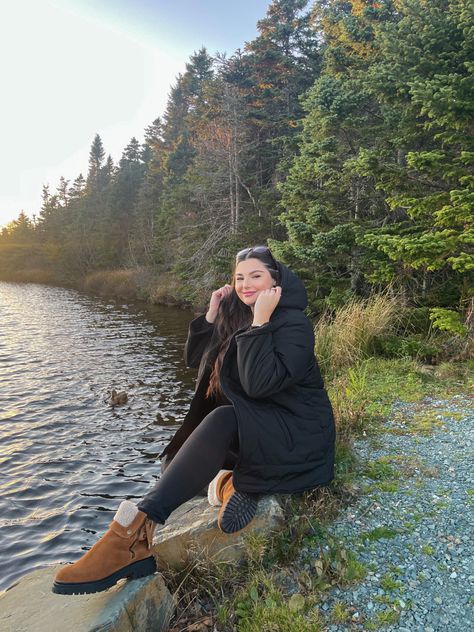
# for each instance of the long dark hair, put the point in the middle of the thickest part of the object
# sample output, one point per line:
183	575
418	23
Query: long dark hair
233	314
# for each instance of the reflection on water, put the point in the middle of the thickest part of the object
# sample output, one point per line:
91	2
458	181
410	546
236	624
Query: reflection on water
67	459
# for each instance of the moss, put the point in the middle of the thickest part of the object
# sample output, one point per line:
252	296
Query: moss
425	423
379	533
380	469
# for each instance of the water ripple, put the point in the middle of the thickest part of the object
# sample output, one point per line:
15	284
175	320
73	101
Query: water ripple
66	458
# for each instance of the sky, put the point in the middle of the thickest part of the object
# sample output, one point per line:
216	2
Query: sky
73	68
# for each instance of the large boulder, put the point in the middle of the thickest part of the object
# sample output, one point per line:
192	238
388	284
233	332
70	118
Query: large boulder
140	605
191	531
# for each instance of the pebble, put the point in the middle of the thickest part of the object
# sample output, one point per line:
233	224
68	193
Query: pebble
430	532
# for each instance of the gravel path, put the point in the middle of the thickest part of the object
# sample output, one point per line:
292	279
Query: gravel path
413	526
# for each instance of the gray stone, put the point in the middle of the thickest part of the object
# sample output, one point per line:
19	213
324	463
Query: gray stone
139	606
192	533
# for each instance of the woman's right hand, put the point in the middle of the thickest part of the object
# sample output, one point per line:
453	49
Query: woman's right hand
216	298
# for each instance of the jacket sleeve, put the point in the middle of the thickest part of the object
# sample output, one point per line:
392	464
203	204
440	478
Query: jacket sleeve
270	360
199	334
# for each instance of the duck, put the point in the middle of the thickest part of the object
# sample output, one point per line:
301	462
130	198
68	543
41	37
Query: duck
118	399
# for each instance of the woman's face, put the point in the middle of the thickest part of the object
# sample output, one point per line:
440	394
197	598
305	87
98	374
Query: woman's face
250	278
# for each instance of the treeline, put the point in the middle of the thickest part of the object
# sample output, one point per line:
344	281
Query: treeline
342	136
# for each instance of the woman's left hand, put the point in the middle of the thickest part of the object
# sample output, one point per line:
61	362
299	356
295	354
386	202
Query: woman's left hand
265	305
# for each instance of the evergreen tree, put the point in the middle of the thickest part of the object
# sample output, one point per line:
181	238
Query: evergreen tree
425	76
153	152
121	202
96	158
327	197
78	187
283	61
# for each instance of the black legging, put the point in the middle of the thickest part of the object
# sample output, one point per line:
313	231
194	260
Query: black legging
202	455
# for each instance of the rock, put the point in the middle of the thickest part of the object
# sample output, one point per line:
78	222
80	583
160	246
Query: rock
139	606
192	532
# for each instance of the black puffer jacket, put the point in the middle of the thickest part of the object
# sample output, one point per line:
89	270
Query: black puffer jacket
270	374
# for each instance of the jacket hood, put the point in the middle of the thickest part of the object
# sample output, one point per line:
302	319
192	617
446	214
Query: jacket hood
293	292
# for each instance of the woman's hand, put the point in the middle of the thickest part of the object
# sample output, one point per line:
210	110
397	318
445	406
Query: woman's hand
216	298
265	305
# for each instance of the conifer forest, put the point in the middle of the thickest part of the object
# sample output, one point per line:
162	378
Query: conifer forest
342	136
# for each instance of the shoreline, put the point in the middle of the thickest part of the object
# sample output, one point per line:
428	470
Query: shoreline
133	284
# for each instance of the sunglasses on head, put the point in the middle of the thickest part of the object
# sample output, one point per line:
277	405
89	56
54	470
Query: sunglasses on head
258	249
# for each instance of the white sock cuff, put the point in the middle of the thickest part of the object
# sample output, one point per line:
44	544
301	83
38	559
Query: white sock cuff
126	513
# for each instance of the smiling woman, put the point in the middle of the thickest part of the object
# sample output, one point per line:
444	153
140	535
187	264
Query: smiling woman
260	421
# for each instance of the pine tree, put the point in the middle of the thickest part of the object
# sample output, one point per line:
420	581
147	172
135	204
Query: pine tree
121	200
78	187
328	196
425	76
153	152
96	158
284	61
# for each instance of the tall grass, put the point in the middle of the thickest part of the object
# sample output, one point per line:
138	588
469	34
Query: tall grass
31	275
347	336
132	283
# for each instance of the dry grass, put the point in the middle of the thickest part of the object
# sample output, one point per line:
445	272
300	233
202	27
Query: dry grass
147	284
130	284
32	275
164	289
347	336
211	594
117	282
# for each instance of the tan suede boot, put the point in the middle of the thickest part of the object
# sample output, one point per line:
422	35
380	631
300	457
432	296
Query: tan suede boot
123	551
238	508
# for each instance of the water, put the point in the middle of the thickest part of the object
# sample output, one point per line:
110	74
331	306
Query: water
67	459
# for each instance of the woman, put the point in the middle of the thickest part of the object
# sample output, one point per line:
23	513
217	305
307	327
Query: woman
260	410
